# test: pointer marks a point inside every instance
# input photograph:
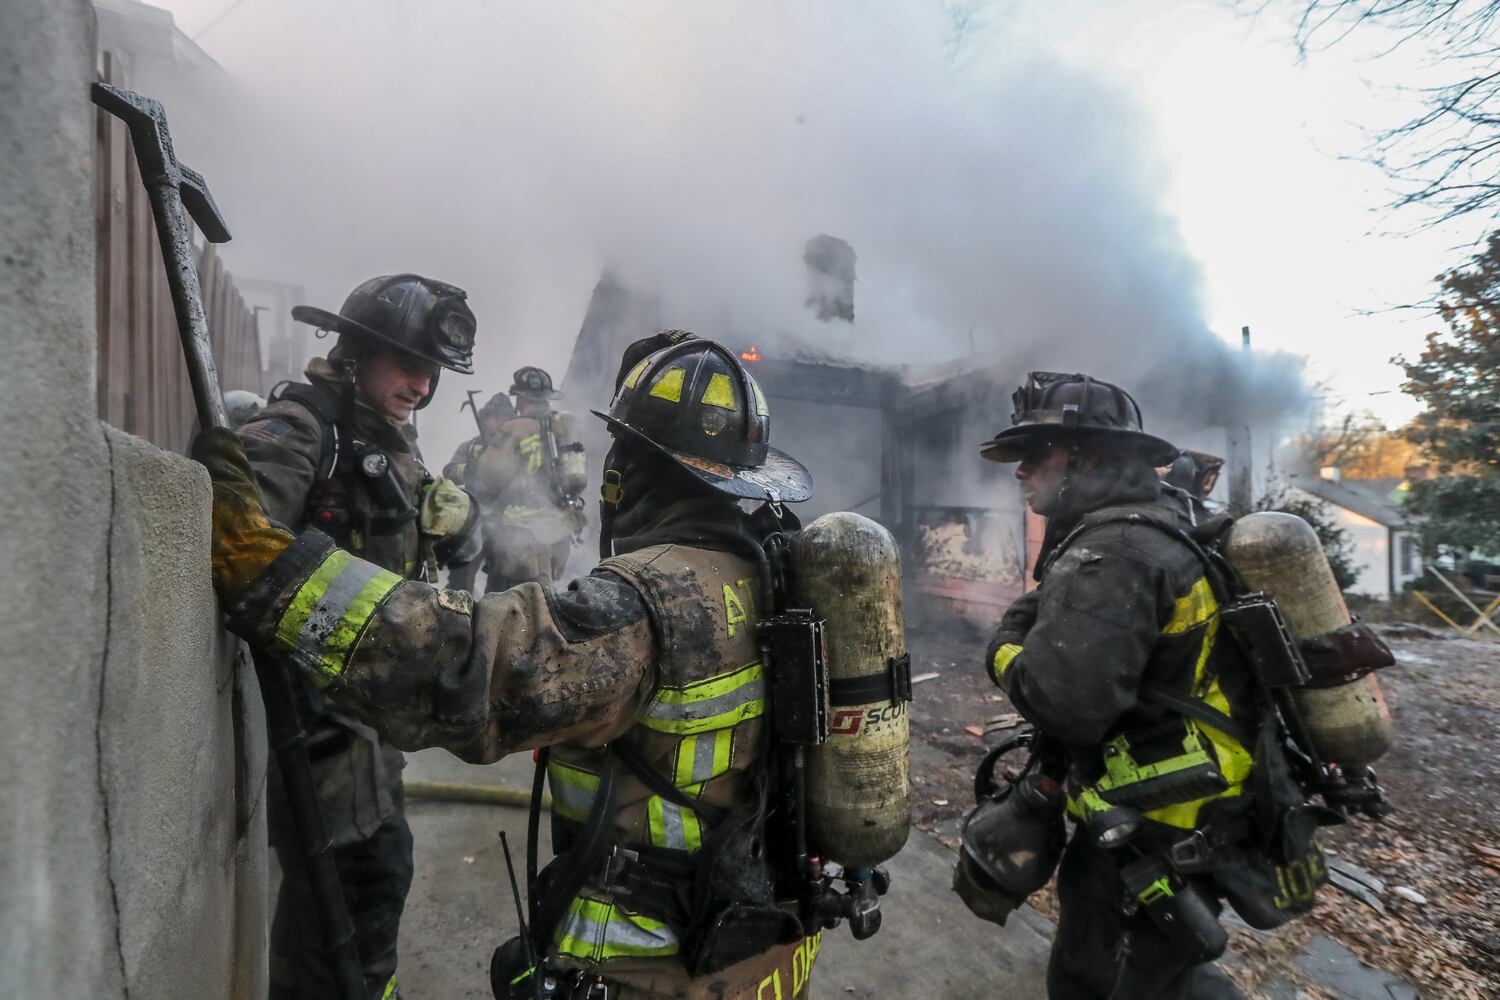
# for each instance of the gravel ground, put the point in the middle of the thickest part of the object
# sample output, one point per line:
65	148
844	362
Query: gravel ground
1441	845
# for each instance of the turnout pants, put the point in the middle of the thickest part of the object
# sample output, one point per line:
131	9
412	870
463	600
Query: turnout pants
358	778
1101	954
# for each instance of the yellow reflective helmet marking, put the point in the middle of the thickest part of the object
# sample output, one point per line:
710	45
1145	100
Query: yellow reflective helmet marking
761	409
720	393
669	385
635	373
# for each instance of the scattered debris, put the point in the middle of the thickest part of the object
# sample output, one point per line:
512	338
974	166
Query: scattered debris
974	730
1009	720
1357	882
1488	855
1409	894
939	802
925	677
1405	630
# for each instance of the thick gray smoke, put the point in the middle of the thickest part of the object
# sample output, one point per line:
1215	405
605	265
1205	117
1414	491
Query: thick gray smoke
997	201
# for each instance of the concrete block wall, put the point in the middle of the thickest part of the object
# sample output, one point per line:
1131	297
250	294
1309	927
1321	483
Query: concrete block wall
132	837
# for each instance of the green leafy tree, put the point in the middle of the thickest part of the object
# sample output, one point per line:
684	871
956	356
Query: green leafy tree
1337	545
1457	380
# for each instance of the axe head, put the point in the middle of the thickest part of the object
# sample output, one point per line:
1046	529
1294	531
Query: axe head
147	121
200	205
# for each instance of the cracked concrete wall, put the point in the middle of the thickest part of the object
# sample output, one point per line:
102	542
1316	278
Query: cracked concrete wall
132	841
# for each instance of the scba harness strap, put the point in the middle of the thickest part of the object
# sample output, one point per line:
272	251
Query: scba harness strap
344	459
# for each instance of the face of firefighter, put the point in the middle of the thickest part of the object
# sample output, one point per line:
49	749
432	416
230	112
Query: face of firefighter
1042	471
493	422
394	382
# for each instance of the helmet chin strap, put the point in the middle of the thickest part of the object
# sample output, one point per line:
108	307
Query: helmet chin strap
611	492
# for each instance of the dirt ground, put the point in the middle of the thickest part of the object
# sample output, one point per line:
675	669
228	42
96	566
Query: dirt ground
1441	844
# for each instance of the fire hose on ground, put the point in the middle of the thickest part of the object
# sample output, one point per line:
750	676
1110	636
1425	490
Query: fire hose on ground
457	791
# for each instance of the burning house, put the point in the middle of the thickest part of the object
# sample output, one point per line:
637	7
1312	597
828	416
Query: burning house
897	444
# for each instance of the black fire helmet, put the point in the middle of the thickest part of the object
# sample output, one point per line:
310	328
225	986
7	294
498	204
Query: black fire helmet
499	407
533	383
420	316
695	402
1055	407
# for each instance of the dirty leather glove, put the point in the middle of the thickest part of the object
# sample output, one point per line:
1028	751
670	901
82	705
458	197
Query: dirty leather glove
647	346
1018	618
245	542
1014	625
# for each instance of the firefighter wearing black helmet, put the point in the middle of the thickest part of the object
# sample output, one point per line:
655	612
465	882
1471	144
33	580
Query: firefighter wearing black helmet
1122	623
529	479
641	683
337	453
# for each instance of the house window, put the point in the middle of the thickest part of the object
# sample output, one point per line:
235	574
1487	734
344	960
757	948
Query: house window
1408	556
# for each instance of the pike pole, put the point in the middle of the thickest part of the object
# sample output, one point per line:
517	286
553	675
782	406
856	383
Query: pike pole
176	192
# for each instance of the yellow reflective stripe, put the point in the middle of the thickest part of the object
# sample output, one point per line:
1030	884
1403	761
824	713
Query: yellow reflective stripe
1193	609
330	612
1003	656
761	409
390	988
308	595
716	703
595	931
516	512
669	386
670	825
573	790
720	393
635	374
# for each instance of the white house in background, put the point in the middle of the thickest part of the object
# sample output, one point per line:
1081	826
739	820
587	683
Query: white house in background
1386	553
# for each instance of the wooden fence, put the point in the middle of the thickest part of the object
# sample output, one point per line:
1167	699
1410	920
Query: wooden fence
142	379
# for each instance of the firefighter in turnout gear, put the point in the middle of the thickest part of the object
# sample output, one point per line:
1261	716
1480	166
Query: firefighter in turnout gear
332	454
491	418
528	481
641	684
1107	659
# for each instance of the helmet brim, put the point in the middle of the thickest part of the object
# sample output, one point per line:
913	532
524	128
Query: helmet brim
342	325
781	479
1013	443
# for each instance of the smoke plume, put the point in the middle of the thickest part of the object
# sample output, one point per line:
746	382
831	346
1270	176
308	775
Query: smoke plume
999	203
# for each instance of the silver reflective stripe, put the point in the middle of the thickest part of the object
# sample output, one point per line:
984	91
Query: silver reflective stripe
673	715
334	603
572	790
703	757
596	931
671	826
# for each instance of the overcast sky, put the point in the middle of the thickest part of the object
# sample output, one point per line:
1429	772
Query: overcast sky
1234	155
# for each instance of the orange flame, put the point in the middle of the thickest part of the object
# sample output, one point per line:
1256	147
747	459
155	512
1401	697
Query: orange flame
752	355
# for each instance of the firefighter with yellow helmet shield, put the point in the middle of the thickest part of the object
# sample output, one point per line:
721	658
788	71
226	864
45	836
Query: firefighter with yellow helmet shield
1146	719
643	685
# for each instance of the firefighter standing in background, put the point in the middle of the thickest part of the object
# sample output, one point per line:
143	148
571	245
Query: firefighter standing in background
1124	610
644	679
528	481
491	418
333	453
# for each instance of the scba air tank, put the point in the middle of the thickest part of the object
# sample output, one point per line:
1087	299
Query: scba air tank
1342	705
859	782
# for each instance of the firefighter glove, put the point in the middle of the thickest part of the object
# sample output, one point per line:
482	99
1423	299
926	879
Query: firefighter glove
245	542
